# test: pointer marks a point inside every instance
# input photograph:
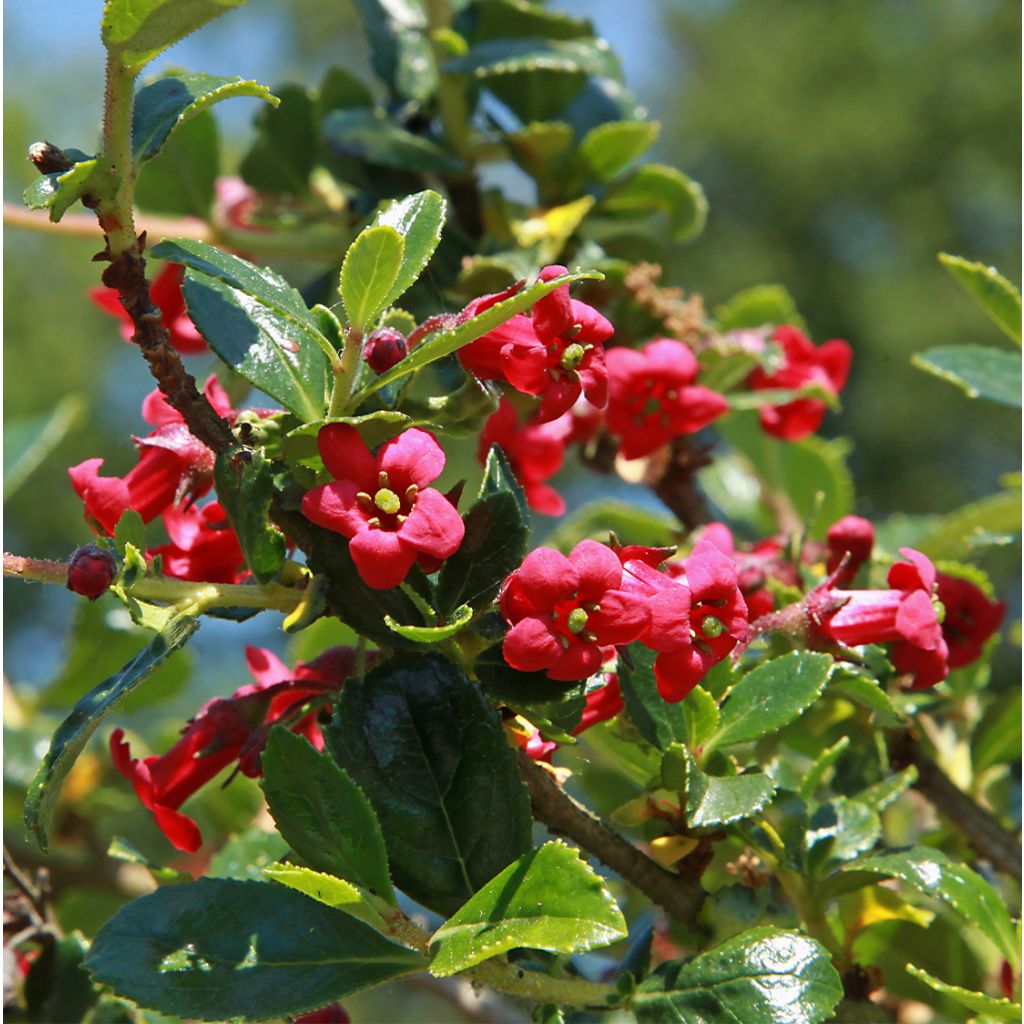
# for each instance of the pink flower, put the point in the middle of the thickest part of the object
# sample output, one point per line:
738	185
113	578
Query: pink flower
803	364
229	729
535	452
173	466
382	502
204	548
557	353
567	612
652	397
970	619
166	294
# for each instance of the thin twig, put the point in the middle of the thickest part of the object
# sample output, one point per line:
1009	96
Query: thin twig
677	485
83	225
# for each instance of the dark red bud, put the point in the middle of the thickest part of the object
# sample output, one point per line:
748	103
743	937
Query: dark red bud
851	536
385	347
333	1014
91	570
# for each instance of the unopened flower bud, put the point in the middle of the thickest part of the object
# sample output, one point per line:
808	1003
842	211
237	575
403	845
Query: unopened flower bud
384	348
91	570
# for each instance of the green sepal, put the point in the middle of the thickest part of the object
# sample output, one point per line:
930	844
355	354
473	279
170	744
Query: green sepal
458	620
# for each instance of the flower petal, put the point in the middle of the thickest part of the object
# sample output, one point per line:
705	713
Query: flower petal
346	456
623	617
434	526
529	646
414	457
598	567
381	557
546	576
334	506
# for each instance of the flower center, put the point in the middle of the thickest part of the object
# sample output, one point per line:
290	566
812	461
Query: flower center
577	621
713	628
940	609
573	355
387	501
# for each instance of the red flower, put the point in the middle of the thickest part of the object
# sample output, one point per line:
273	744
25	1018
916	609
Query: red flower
535	451
166	294
335	1013
382	502
229	729
556	353
204	548
905	615
652	397
803	364
91	570
173	465
851	536
971	618
566	613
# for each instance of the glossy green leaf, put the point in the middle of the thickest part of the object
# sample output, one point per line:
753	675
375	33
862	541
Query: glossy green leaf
335	892
763	975
755	307
340	89
658	188
557	717
771	696
550	899
458	619
59	191
216	949
169	102
121	849
990	1009
74	732
444	343
28	440
839	830
257	323
998	297
245	488
633	525
130	529
515	19
931	872
997	740
701	713
418	219
400	46
497	529
867	692
430	753
497	57
506	684
247	854
136	31
978	370
542	148
370	136
323	814
659	722
821	769
714	800
369	273
889	790
610	148
181	180
284	152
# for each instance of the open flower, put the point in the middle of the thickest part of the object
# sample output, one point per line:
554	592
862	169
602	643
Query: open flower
382	502
567	613
556	353
971	618
165	292
204	548
827	366
652	397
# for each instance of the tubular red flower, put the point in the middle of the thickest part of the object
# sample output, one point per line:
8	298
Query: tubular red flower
803	364
652	397
556	353
382	502
204	548
970	619
166	294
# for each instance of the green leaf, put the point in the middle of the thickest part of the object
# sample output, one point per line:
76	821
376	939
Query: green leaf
418	219
323	814
955	536
458	619
369	272
658	188
840	829
256	322
247	855
59	191
754	307
867	692
702	716
400	46
888	791
991	1009
549	899
497	529
997	740
370	136
245	487
444	343
821	768
659	722
285	150
998	297
979	371
610	148
169	102
73	733
181	180
335	892
136	31
216	949
634	525
713	800
763	974
431	754
771	696
498	57
57	987
931	872
29	440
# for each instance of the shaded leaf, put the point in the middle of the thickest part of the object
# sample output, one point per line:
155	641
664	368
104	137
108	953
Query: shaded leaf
989	1008
998	297
754	307
714	800
370	136
979	371
997	740
285	149
28	440
955	536
659	722
658	188
400	47
182	178
612	147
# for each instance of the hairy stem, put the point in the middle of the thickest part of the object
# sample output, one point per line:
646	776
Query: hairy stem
345	371
116	212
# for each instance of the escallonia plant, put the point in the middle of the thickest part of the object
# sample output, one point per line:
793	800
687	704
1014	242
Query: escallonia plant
727	741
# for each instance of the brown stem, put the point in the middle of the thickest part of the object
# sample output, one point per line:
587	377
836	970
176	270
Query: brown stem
677	484
681	897
980	827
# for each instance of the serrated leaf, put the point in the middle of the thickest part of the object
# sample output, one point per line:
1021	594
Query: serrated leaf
247	855
658	188
458	619
497	57
549	899
888	791
59	191
820	769
998	297
754	307
867	692
715	800
136	31
400	46
245	487
838	830
659	722
170	102
324	888
74	732
610	148
444	343
931	872
979	371
771	696
418	219
322	814
216	949
369	273
430	753
370	136
763	974
991	1009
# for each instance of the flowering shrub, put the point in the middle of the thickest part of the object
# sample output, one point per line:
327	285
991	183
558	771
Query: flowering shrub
739	737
